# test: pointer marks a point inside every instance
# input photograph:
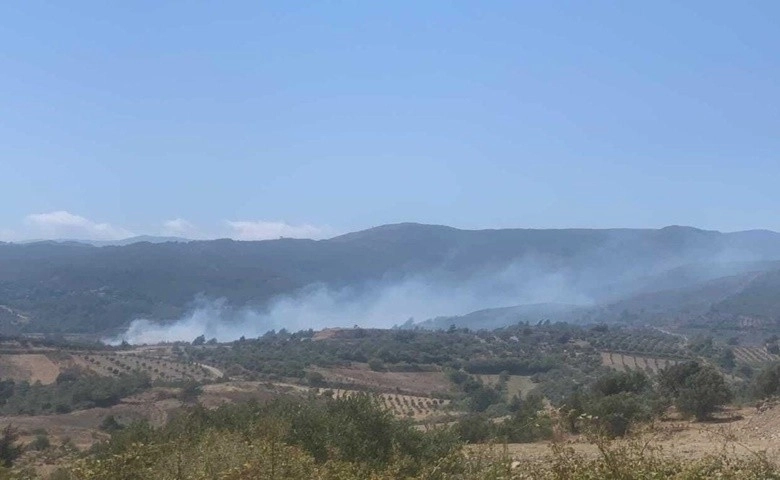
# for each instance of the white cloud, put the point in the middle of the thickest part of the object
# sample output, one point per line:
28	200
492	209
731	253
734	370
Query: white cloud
7	235
63	224
180	227
262	230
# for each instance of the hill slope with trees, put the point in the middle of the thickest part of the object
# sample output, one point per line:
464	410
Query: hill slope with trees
77	288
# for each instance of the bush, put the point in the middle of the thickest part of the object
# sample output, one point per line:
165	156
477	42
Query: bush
767	382
376	365
315	379
697	391
283	439
40	443
190	392
110	424
474	428
246	442
10	449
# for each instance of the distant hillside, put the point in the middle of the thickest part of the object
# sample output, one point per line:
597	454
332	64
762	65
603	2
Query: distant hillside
113	243
68	287
493	318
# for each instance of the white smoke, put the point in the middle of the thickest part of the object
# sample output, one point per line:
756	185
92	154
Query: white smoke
532	280
382	305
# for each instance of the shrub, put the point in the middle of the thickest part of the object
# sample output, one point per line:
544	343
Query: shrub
10	449
40	443
697	391
767	382
376	365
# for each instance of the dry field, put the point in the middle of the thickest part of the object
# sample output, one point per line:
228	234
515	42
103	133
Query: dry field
158	368
44	365
31	367
739	431
754	355
412	406
623	362
517	385
413	383
155	405
82	427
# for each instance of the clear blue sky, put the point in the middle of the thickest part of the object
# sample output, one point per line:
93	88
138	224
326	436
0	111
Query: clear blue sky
323	117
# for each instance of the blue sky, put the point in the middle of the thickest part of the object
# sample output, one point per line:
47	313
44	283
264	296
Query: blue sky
260	119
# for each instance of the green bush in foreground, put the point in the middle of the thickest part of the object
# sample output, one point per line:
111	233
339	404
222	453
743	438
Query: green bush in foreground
354	439
231	457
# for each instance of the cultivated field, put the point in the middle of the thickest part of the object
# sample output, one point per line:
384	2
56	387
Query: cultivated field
412	406
361	377
44	365
624	362
518	385
30	367
158	368
754	355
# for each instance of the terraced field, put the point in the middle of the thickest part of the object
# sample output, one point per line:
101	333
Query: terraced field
754	355
361	377
158	368
624	362
412	406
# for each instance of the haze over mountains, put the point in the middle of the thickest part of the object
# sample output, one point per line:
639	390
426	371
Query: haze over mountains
674	276
113	243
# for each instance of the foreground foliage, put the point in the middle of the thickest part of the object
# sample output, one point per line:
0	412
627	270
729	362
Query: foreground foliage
73	390
354	439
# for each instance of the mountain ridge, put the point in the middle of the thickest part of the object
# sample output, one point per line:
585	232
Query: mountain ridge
71	287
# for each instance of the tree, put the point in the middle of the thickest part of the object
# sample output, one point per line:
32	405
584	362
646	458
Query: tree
10	450
376	365
110	424
672	379
618	382
767	382
696	390
190	392
315	379
727	359
474	428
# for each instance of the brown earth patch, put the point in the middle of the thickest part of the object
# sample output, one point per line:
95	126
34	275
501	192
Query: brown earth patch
736	432
236	392
326	333
360	376
31	367
82	427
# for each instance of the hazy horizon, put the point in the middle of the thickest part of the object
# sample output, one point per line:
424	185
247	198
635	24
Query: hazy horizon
161	236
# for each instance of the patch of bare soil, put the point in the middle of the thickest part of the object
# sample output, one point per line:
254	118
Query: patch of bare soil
236	392
414	383
82	427
326	333
737	432
156	405
31	367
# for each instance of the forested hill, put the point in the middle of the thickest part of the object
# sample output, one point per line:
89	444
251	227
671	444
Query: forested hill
73	287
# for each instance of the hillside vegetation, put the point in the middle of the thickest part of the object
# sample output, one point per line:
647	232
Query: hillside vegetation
371	403
76	288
